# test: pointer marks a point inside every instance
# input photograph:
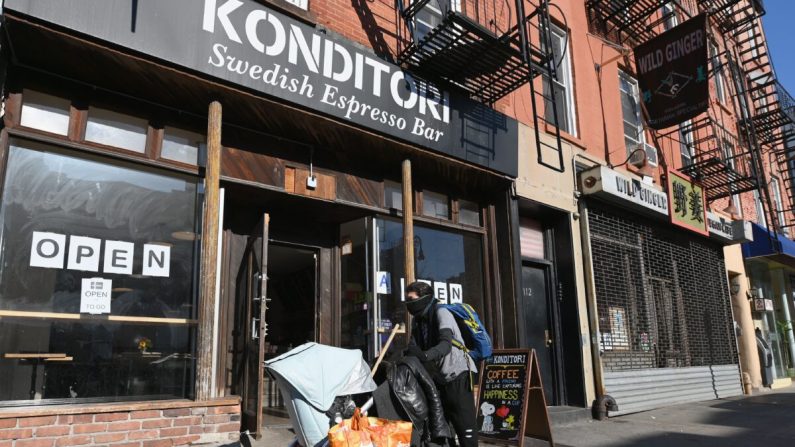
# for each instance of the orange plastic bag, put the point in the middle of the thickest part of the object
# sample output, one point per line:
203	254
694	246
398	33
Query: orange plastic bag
361	431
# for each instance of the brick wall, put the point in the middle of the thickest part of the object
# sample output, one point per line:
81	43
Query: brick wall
162	427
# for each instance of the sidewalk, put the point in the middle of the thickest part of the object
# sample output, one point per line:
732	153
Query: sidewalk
765	419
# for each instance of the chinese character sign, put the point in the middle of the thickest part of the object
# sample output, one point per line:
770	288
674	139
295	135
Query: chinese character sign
687	197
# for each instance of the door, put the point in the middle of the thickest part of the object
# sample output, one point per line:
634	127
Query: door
253	281
539	332
292	318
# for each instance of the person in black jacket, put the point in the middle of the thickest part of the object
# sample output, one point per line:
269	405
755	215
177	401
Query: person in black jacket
408	392
433	336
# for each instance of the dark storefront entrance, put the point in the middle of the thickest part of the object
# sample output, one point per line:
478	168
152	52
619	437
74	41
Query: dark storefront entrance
334	276
537	302
324	266
548	315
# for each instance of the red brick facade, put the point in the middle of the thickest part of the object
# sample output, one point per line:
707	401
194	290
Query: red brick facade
134	425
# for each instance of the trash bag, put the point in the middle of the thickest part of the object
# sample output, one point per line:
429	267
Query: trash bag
362	431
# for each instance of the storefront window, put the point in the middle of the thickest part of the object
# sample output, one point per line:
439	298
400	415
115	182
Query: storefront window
356	327
97	279
115	129
452	262
468	213
45	112
435	205
181	145
393	195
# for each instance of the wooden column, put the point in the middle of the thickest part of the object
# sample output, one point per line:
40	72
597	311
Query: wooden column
408	222
209	255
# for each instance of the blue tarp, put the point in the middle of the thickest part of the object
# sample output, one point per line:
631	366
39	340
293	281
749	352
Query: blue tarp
765	245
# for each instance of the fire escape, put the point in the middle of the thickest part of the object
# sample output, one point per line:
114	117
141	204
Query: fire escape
723	162
632	22
720	162
488	53
767	118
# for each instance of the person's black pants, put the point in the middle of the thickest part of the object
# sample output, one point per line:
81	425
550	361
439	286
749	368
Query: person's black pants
459	408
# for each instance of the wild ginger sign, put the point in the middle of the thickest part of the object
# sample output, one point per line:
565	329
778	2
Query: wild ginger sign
673	73
245	43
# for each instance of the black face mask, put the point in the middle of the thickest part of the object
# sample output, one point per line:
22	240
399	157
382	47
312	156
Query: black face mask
419	306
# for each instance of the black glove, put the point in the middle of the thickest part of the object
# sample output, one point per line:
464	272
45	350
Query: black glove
415	351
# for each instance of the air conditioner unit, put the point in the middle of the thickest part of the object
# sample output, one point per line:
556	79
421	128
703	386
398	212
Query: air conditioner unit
637	156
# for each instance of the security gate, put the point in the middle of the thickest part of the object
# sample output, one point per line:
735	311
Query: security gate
664	312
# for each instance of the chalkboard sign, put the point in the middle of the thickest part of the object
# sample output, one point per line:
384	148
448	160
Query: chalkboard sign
511	402
502	396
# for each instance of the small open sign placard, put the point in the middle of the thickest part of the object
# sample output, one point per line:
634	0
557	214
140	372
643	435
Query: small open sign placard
95	296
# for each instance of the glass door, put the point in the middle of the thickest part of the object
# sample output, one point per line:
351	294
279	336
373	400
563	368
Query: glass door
372	277
356	309
451	261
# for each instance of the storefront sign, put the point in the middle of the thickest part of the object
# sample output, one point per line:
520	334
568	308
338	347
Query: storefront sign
447	293
673	75
727	230
606	183
383	283
245	43
95	295
687	203
763	305
48	250
502	396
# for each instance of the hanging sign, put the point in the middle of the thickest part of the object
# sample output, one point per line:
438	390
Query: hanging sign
95	296
672	73
687	201
727	230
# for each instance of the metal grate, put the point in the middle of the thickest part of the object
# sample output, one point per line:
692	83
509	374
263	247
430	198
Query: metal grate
474	47
662	294
721	162
465	49
733	15
467	55
632	22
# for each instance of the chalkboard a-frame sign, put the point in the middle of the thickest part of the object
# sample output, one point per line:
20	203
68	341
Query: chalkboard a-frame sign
510	385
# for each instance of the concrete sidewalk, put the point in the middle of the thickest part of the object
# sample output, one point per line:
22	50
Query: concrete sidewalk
765	419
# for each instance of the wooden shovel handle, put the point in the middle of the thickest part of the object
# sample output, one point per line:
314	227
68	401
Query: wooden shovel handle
384	349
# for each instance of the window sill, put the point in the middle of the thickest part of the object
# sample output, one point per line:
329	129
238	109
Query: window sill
291	10
62	141
550	129
723	106
112	407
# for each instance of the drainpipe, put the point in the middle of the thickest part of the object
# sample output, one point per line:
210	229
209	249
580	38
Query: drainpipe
603	402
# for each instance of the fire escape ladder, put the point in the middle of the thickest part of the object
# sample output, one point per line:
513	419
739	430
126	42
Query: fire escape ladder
756	96
733	16
466	45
